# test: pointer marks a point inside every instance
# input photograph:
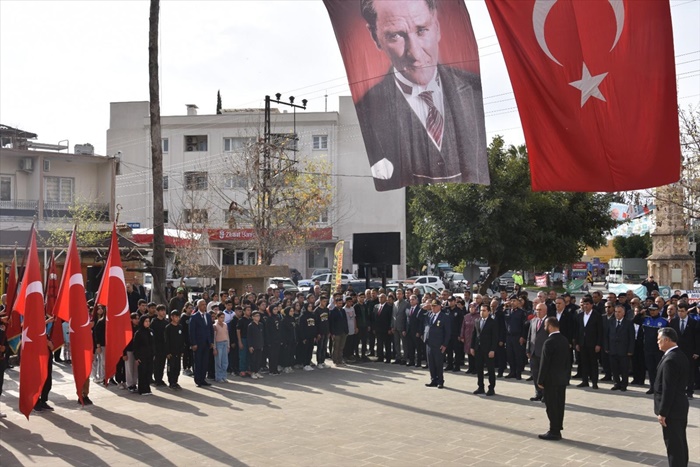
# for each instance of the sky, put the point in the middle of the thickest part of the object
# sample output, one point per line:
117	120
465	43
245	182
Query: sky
63	62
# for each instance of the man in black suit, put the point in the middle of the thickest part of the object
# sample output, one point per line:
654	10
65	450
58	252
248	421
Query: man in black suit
688	341
589	341
424	122
535	340
619	345
381	325
555	370
670	401
483	348
437	337
201	333
415	348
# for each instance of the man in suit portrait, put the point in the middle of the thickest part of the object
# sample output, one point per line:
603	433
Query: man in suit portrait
670	401
688	341
537	334
555	370
619	345
201	334
381	325
424	122
589	341
437	337
483	348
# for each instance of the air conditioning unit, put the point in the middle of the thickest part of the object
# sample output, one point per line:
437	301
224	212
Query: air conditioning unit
190	148
190	139
47	165
26	164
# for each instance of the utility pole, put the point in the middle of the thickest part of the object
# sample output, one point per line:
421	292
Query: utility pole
267	163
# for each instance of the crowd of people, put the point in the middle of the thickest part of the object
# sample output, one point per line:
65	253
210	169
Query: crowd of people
254	335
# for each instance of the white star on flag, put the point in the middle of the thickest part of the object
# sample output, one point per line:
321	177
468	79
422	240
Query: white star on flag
588	85
25	337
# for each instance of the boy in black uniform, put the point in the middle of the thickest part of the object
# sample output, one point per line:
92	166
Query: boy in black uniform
158	324
289	340
273	338
174	346
323	329
233	362
256	343
307	334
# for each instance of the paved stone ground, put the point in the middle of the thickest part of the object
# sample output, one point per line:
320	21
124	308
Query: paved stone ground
369	414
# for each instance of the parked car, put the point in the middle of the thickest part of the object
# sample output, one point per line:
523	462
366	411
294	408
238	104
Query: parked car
435	281
423	288
443	268
305	285
287	283
506	280
296	275
318	272
456	282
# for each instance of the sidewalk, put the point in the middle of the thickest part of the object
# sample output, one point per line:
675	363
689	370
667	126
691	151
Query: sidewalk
369	414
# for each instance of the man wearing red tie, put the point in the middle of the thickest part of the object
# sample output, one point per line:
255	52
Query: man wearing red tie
381	324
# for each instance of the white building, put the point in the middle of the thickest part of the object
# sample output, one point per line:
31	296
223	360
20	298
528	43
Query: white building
197	150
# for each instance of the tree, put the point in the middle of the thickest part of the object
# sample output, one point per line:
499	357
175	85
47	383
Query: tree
506	224
218	102
91	221
279	198
158	267
634	246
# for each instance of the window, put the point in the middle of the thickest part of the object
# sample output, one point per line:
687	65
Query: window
196	143
58	190
5	188
234	181
165	182
196	180
317	258
237	144
196	216
320	142
323	217
165	144
284	141
248	257
165	217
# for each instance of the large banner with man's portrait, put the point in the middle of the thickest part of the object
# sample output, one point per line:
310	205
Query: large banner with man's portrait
413	68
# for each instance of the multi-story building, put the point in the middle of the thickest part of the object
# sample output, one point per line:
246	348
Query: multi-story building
199	184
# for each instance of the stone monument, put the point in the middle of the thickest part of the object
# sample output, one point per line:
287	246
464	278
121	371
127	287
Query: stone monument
670	262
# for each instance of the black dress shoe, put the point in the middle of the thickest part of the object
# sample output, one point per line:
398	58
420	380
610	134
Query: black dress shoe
417	365
529	378
650	391
536	399
479	391
623	388
448	368
490	392
204	383
430	385
615	387
441	386
509	376
46	406
582	385
594	386
606	378
576	376
549	436
455	369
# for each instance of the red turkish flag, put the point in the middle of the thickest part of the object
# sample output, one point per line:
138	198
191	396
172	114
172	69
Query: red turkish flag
34	363
71	306
56	333
112	294
595	85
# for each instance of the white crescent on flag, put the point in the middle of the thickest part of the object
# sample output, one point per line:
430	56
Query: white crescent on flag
116	271
34	287
76	279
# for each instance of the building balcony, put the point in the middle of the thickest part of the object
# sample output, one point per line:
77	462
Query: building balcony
28	208
19	208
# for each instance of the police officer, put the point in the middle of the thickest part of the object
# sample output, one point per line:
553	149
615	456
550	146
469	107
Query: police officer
455	350
652	354
437	338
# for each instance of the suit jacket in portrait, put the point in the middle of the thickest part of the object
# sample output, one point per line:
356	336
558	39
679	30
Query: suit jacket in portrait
688	340
382	316
672	375
396	139
485	340
437	331
619	340
555	364
590	335
201	331
535	338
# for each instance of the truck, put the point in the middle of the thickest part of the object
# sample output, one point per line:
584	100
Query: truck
627	270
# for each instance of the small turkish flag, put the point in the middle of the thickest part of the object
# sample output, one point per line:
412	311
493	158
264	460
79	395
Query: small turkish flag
595	85
34	364
71	306
112	294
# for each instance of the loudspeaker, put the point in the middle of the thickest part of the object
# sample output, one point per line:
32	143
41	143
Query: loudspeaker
94	276
376	248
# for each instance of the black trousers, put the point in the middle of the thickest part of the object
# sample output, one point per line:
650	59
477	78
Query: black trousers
455	353
46	389
371	338
384	341
620	367
554	400
120	374
273	355
173	369
363	336
516	355
256	360
233	363
145	369
350	349
501	359
3	367
201	363
410	353
652	360
187	358
287	355
481	360
435	361
588	365
676	442
321	349
158	367
535	369
307	351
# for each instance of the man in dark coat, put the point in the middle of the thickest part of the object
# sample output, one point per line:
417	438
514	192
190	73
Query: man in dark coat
688	341
201	341
619	345
381	325
589	341
483	348
670	401
555	370
535	341
437	337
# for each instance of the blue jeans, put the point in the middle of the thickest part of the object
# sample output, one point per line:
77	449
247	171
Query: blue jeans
221	360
